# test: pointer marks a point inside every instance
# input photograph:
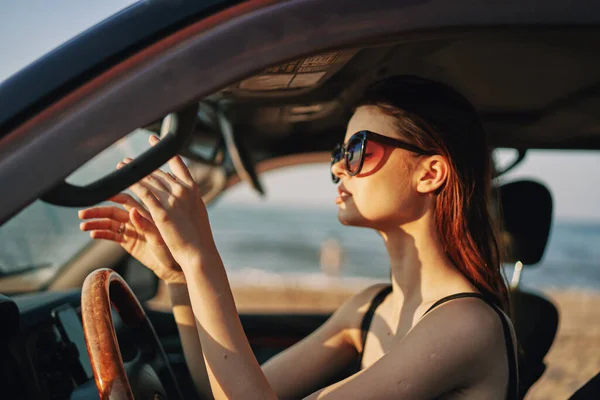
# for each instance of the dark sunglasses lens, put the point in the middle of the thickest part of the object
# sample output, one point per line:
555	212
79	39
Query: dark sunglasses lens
336	156
354	155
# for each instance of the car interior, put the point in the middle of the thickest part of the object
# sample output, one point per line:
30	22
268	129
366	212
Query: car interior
527	216
259	104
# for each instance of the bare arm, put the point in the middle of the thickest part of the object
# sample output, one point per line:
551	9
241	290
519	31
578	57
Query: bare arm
328	347
314	361
188	333
292	372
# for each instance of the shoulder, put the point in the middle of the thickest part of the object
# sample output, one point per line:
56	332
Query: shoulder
348	317
468	326
467	313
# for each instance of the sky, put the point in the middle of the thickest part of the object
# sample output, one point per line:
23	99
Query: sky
31	28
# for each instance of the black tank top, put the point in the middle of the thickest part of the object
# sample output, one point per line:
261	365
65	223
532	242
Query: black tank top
513	376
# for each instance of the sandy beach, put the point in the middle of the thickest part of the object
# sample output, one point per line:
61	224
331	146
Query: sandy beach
575	355
573	359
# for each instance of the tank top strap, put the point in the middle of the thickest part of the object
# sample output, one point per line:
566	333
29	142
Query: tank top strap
453	297
368	318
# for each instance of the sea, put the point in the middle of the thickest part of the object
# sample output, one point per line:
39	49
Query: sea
265	246
270	245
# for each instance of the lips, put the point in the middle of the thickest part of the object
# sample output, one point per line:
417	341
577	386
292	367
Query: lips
342	191
343	194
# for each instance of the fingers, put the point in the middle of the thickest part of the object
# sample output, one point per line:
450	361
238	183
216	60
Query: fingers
177	166
106	235
152	197
101	224
165	179
129	203
107	229
142	187
138	220
138	215
150	230
150	179
159	184
155	190
108	212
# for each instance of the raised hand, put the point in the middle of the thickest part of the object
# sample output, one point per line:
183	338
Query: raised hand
176	207
132	227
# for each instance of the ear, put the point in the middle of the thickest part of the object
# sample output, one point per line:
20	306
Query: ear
431	174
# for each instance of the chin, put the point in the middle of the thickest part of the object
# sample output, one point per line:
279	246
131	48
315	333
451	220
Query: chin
351	217
345	216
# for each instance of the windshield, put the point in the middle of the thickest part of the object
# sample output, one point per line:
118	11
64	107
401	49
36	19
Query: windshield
47	236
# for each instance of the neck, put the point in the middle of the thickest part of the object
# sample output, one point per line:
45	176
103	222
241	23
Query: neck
421	270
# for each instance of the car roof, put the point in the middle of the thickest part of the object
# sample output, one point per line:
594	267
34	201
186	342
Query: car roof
535	82
538	57
533	87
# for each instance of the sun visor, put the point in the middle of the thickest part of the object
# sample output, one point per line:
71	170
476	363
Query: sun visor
299	74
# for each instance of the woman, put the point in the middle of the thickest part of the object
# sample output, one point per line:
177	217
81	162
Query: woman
415	167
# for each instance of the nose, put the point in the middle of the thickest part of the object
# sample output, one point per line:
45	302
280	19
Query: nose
338	169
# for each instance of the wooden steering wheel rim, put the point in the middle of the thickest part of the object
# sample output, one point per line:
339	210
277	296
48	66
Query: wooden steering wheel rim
102	288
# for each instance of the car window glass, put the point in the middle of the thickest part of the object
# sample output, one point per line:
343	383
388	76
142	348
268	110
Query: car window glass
572	253
292	236
47	236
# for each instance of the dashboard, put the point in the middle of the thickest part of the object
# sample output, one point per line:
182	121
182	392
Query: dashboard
43	353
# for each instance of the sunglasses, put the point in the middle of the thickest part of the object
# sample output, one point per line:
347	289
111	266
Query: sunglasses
365	150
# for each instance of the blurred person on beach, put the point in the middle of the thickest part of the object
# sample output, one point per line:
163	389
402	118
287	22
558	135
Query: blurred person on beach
331	256
415	167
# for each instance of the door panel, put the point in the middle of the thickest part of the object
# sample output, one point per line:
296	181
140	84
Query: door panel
268	333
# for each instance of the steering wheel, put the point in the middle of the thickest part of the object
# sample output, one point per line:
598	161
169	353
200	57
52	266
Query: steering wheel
149	375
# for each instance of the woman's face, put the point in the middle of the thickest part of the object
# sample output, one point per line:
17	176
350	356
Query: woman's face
386	196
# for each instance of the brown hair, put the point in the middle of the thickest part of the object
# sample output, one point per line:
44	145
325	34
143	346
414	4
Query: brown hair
438	119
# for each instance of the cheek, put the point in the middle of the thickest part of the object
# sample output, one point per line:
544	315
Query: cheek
386	197
387	194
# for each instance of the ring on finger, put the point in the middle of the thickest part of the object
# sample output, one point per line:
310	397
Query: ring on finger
121	229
